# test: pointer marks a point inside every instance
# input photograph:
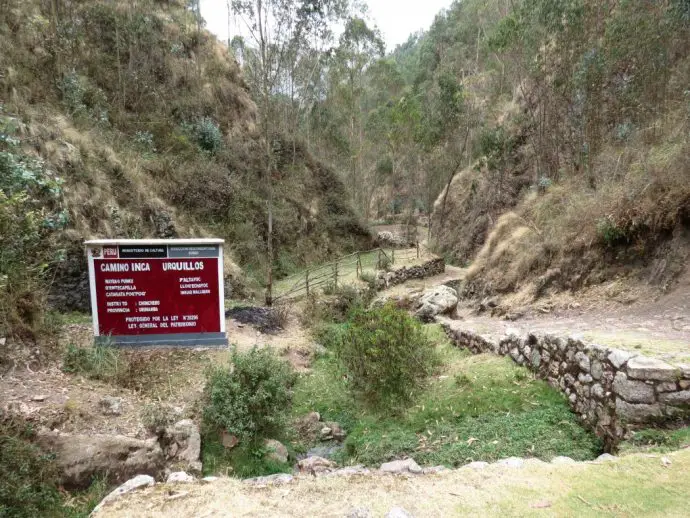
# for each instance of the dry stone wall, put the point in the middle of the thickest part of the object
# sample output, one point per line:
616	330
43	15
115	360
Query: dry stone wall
610	389
429	268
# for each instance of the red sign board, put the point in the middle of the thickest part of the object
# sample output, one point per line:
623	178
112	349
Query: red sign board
156	294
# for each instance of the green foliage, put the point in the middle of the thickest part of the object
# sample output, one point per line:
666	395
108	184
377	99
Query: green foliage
386	355
479	408
609	232
28	476
245	460
101	362
208	135
656	439
250	399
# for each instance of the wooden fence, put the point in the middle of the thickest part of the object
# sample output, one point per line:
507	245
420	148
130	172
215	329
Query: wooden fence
344	270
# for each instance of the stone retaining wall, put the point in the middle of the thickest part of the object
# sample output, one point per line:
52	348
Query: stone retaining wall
611	390
429	268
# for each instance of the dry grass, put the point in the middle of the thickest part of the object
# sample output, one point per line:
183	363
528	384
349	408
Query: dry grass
637	485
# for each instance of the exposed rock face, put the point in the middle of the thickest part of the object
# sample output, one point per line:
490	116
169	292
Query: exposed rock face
276	451
82	457
182	444
439	300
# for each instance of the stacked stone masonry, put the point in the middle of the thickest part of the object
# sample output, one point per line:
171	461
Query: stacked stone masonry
429	268
610	389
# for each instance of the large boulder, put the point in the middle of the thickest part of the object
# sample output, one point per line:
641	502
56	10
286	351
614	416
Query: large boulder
182	445
437	301
276	451
81	458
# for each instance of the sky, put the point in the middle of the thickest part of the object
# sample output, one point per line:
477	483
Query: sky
396	19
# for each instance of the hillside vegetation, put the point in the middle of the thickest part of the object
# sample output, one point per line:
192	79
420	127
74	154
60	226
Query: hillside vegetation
121	119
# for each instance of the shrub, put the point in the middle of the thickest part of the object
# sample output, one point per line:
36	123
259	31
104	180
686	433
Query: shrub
386	354
100	362
252	398
370	278
208	135
28	476
609	231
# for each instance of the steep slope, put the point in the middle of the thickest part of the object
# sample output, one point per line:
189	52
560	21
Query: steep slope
121	119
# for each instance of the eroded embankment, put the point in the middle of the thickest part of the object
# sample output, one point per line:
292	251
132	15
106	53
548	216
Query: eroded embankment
610	389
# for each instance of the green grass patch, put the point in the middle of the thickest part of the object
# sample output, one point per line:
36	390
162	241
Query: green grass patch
657	440
246	460
476	408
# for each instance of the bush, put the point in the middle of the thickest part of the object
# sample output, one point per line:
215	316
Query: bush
252	398
208	135
28	476
386	354
609	232
100	362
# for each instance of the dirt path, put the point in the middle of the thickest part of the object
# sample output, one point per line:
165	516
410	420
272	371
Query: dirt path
637	485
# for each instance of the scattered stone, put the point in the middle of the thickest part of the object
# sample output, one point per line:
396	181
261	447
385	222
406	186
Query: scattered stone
81	458
276	451
110	405
666	462
278	479
180	477
401	466
133	484
359	512
676	398
39	398
398	512
633	391
644	368
606	457
562	460
315	465
511	462
637	413
229	441
618	357
209	480
332	431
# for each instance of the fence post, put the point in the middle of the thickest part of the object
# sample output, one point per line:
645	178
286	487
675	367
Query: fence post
359	267
306	277
378	261
417	248
336	274
393	256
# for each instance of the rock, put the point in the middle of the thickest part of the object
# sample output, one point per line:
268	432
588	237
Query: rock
535	358
401	466
606	457
644	368
133	484
39	398
81	458
684	384
637	413
583	361
315	465
684	370
597	370
398	512
276	451
332	430
584	378
229	441
110	405
359	512
278	479
511	462
476	465
633	391
434	470
209	480
180	477
667	386
562	460
185	436
666	462
618	357
439	300
598	391
676	398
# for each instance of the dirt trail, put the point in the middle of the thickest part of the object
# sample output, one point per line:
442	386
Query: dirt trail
637	485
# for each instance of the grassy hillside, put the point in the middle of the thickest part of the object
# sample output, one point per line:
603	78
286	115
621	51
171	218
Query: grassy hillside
580	165
121	119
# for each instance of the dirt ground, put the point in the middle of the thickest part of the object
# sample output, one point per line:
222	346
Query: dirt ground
637	485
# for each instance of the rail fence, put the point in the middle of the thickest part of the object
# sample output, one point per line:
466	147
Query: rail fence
345	270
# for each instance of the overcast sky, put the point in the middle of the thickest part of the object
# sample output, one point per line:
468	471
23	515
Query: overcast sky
397	19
